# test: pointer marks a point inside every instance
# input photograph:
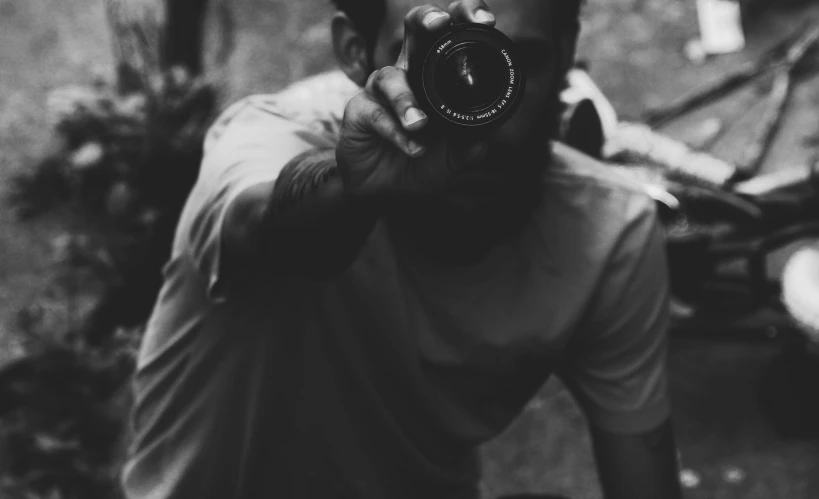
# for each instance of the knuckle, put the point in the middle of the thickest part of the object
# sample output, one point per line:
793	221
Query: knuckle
385	74
412	16
354	105
371	81
378	116
357	112
349	110
403	99
396	137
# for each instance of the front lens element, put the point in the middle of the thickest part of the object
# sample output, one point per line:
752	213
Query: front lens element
471	77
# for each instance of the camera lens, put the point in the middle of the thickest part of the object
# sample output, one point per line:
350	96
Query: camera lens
471	77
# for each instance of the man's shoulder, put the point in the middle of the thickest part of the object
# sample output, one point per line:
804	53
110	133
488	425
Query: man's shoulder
591	213
569	165
603	194
314	105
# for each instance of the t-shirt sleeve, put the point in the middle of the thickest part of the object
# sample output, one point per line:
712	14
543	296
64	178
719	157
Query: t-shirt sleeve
247	146
616	363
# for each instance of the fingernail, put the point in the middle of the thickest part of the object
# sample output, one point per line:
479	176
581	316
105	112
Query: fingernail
433	16
415	148
413	116
484	16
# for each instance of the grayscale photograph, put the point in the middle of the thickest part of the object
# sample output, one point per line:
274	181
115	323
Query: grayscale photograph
409	249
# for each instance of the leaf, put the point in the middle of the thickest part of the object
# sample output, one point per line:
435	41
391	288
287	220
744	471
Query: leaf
47	443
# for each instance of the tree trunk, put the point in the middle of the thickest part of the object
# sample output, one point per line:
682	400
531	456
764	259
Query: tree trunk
183	40
150	36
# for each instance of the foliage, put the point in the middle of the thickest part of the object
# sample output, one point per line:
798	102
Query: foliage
127	155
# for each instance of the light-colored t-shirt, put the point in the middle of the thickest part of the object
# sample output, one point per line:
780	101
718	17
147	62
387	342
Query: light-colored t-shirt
381	382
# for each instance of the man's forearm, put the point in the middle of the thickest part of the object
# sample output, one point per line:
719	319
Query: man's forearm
638	466
305	217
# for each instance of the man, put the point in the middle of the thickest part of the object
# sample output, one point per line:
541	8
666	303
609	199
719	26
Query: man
353	306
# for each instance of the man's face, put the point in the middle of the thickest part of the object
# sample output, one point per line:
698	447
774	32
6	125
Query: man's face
479	206
529	24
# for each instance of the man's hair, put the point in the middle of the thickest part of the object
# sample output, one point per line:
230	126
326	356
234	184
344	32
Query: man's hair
367	16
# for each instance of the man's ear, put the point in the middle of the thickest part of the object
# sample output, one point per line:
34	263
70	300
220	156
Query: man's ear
350	49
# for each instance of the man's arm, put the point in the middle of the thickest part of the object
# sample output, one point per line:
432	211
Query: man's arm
305	218
616	364
640	466
309	215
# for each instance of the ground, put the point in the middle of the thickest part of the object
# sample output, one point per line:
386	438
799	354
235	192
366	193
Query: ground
635	51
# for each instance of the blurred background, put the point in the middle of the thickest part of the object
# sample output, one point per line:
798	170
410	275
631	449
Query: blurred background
636	51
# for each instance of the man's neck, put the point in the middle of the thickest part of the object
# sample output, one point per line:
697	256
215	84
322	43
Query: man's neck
450	233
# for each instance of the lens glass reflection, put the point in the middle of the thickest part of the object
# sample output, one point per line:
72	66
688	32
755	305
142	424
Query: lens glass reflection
471	77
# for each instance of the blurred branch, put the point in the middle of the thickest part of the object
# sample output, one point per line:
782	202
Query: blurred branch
765	132
793	48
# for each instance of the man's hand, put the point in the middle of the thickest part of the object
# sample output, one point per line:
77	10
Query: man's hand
316	216
383	146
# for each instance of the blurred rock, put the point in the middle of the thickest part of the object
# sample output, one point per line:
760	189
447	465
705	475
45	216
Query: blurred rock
689	479
733	475
121	199
87	156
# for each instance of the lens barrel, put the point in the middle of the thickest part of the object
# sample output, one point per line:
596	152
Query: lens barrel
469	78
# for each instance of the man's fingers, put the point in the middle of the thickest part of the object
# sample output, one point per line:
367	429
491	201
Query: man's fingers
421	23
425	20
391	86
471	11
370	116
